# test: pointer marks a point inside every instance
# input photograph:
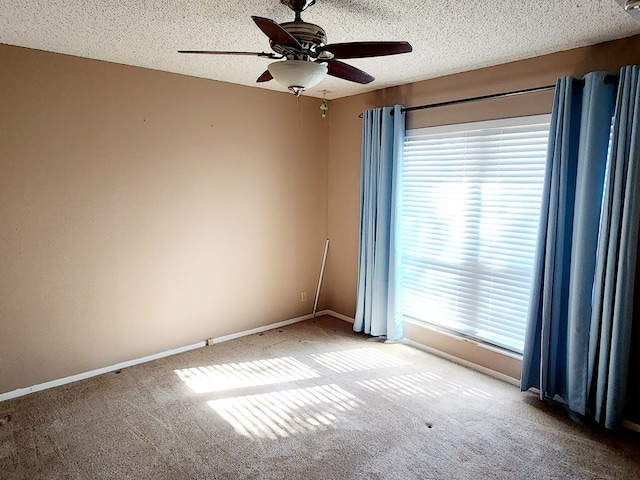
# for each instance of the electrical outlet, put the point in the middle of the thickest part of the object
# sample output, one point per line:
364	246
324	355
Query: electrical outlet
303	296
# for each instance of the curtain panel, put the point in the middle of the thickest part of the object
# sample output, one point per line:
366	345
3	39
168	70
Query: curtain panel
578	337
382	141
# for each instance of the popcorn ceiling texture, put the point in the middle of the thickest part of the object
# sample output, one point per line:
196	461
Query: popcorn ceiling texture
447	36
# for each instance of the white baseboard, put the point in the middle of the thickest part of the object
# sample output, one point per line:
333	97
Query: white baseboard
129	363
337	315
211	341
98	371
460	361
233	336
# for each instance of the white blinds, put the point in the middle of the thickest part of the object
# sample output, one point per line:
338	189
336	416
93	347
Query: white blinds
470	208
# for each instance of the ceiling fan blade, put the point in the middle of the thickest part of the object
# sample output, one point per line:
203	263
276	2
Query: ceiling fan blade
265	77
365	49
218	52
347	72
276	33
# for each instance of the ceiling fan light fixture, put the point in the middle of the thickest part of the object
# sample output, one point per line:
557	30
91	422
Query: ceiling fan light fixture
298	75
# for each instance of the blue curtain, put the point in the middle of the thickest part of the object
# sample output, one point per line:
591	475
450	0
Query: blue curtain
382	143
578	336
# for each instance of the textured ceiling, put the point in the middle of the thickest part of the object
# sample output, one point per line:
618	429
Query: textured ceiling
448	36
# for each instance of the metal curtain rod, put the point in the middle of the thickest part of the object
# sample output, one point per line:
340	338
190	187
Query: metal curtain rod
612	77
477	99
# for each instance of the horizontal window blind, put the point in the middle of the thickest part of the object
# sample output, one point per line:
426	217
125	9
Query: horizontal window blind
470	209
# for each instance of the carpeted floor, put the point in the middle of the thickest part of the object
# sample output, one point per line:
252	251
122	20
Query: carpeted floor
309	401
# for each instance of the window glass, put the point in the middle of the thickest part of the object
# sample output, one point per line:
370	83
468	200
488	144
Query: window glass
470	209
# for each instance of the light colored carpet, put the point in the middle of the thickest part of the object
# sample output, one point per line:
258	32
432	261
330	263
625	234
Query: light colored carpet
308	401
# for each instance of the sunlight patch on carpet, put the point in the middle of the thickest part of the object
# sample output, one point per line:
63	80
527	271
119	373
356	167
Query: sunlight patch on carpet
230	376
426	384
356	359
285	413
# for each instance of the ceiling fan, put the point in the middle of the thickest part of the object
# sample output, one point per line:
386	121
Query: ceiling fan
305	57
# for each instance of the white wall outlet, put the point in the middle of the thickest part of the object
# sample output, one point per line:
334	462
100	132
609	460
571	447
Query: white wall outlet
303	296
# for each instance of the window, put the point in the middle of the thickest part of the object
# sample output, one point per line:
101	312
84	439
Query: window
470	204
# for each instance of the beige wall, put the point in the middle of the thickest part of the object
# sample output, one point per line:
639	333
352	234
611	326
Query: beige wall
142	211
344	154
345	132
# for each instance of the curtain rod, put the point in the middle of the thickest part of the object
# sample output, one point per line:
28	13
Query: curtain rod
608	78
476	99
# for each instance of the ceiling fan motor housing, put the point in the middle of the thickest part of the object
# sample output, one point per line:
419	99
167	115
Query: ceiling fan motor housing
310	37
